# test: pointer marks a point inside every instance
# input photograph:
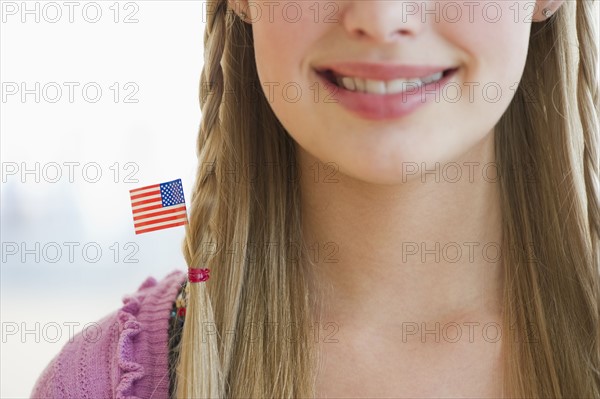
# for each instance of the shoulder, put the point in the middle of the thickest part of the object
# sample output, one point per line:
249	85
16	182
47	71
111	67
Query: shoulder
127	356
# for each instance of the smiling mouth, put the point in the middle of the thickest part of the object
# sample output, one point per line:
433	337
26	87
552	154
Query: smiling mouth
391	86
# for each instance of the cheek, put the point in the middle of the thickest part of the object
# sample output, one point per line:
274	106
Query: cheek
283	33
495	38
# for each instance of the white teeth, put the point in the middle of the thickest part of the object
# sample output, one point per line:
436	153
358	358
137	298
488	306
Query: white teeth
400	85
432	78
348	83
360	84
385	87
375	86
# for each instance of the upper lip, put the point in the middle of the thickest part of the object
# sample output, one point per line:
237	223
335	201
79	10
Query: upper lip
380	71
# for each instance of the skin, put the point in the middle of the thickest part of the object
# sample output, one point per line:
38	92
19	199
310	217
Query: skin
364	201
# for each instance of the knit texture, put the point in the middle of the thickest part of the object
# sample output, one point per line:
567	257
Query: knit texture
126	357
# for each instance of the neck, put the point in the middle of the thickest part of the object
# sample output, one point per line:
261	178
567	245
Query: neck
424	251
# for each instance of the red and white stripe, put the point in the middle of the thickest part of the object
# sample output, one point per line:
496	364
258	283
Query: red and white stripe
150	215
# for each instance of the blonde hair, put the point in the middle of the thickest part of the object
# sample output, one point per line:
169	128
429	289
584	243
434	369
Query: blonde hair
550	226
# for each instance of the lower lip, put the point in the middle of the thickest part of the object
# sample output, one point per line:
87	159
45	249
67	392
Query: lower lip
387	106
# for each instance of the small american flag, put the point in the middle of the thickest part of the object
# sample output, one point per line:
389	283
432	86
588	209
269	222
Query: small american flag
159	206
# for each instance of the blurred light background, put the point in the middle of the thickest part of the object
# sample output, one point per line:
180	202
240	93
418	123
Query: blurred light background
155	60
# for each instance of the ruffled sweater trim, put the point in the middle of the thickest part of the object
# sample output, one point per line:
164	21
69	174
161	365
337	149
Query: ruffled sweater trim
131	370
142	349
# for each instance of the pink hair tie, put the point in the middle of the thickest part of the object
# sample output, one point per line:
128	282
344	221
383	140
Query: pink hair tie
196	275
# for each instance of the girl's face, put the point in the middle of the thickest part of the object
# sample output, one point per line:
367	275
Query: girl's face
374	137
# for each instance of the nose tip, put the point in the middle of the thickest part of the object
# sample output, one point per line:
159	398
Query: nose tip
380	34
380	20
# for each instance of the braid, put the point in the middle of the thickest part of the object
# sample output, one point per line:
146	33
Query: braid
211	92
212	74
587	91
200	357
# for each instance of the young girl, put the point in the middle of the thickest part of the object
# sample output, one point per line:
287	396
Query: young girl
394	199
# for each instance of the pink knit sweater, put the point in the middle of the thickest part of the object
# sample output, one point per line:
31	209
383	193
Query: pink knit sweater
129	356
